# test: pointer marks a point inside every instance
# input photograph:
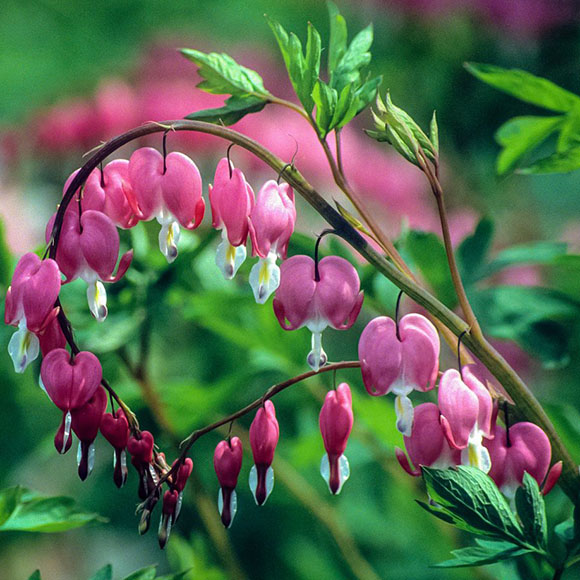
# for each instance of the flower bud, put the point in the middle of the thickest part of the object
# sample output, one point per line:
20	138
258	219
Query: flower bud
115	429
227	462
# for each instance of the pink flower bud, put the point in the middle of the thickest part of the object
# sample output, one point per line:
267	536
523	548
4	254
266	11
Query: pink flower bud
169	191
335	425
227	462
141	449
183	474
528	449
86	421
115	429
399	363
264	433
272	220
333	300
427	444
169	512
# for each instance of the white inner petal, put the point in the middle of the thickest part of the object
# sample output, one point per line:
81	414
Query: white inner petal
404	411
168	237
97	299
229	258
265	278
316	357
23	347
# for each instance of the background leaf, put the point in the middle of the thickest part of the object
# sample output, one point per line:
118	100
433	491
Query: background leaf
105	573
532	511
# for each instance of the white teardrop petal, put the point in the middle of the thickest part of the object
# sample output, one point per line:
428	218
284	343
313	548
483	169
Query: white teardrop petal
404	411
229	258
264	278
97	299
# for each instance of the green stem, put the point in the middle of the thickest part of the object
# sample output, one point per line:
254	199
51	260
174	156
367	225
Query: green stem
512	383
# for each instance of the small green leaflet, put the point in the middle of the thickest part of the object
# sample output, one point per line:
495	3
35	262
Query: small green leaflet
338	37
526	87
556	163
105	573
532	512
486	552
234	109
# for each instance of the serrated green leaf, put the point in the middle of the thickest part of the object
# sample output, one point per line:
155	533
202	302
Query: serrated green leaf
46	514
532	511
526	87
520	135
338	37
235	108
9	500
312	68
147	573
325	100
35	575
483	554
354	222
367	93
472	497
428	254
532	253
356	56
224	76
556	163
345	110
105	573
473	250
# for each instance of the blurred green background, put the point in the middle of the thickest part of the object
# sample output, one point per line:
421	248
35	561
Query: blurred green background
209	348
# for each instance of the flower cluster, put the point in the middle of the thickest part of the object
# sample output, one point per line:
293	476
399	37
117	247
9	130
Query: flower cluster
402	356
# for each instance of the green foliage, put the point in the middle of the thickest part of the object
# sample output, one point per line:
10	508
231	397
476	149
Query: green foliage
105	573
520	136
27	511
35	575
236	108
532	511
486	552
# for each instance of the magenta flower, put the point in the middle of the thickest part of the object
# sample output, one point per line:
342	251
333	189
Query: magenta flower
335	425
232	200
30	306
264	433
466	416
70	384
89	248
227	462
527	449
140	447
115	429
169	513
331	298
399	359
52	337
86	421
427	444
271	224
168	190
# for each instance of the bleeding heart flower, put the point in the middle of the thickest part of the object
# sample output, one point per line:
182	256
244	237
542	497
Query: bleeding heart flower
30	306
317	299
232	200
466	412
335	425
399	359
271	224
115	429
527	449
140	448
169	190
168	516
86	421
227	462
89	248
427	444
264	433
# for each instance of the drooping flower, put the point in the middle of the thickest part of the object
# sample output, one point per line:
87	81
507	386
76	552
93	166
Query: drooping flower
168	190
140	447
466	415
427	444
86	421
70	384
336	421
271	224
527	449
30	306
232	200
334	299
227	462
168	516
115	429
399	359
264	433
88	248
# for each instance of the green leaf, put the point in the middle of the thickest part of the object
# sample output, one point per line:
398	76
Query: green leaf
9	500
474	500
338	37
434	132
485	553
46	514
367	93
35	575
147	573
345	110
532	253
224	76
303	71
473	250
521	135
565	531
570	131
526	87
234	109
105	573
428	254
532	511
356	56
325	100
556	163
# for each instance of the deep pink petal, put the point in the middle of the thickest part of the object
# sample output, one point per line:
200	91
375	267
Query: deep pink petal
227	462
336	419
264	433
99	243
145	172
